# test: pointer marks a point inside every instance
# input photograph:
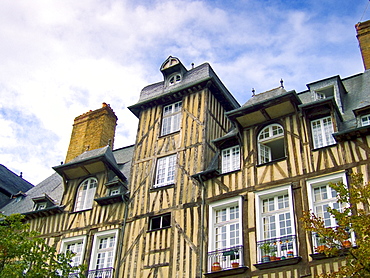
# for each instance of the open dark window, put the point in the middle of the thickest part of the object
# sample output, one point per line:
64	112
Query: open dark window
271	143
160	222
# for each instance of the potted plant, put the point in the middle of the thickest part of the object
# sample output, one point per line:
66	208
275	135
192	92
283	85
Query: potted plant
216	266
234	264
321	247
273	256
266	248
347	244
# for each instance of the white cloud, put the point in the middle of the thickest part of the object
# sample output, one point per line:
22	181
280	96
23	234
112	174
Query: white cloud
60	59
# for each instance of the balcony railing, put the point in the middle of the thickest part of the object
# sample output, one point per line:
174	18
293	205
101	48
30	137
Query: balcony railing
277	249
225	258
101	273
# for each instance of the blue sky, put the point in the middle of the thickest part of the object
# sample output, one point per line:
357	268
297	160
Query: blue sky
60	59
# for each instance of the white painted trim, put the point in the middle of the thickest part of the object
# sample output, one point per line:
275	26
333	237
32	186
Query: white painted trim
94	249
220	204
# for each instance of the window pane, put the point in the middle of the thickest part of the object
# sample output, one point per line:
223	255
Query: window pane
171	118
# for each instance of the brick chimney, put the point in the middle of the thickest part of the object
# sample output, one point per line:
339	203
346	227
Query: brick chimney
92	130
363	36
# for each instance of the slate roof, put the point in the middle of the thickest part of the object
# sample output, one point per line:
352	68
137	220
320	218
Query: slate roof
201	73
261	97
53	185
11	184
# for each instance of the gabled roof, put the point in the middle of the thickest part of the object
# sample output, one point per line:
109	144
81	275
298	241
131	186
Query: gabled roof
90	162
265	106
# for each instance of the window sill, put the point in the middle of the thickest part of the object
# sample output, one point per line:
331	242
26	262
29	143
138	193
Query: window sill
273	264
320	256
230	172
117	198
78	211
227	272
323	147
160	229
169	134
153	189
272	161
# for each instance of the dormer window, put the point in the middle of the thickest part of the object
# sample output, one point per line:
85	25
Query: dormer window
323	93
230	159
85	194
271	143
365	120
176	78
115	190
40	206
322	130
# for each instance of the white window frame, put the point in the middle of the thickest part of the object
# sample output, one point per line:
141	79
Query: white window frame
171	118
274	193
322	130
40	205
74	240
95	248
230	159
174	79
233	231
165	172
266	136
213	208
365	120
330	201
85	197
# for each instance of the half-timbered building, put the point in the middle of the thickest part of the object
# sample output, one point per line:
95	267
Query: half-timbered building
210	188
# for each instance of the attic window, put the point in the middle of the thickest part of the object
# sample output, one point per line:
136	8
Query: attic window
174	79
271	143
323	93
40	206
365	120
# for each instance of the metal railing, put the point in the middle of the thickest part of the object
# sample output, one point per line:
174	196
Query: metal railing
101	273
277	248
225	258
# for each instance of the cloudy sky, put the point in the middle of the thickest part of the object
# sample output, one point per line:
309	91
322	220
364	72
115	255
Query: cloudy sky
59	59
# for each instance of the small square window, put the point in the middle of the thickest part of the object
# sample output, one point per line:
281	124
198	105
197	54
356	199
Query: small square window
114	191
365	120
40	206
160	222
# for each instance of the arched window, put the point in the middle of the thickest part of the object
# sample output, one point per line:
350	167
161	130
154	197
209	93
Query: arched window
271	143
176	78
85	194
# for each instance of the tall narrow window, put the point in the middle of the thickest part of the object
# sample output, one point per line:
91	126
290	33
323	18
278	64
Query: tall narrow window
165	172
225	234
322	196
271	143
231	159
275	227
75	245
171	118
365	120
322	130
85	194
103	254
